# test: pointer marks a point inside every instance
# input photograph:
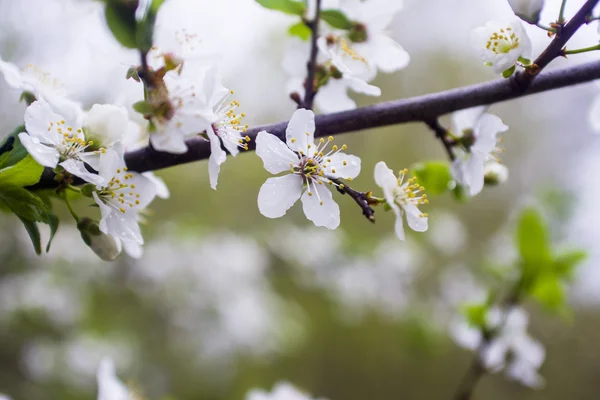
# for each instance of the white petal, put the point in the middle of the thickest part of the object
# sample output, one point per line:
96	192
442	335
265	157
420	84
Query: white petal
594	116
44	155
38	117
213	87
162	190
275	154
110	162
278	194
118	224
300	132
169	141
473	171
106	124
360	86
399	222
333	97
385	179
320	208
78	169
217	157
466	119
12	74
457	169
350	170
486	130
145	187
109	385
494	355
388	55
413	216
133	249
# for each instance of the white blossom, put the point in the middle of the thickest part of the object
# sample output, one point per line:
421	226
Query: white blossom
109	385
475	126
403	198
33	80
121	197
527	10
281	391
495	173
511	349
52	141
105	124
311	168
502	44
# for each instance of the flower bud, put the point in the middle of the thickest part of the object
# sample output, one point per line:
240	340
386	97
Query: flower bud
495	173
528	10
105	246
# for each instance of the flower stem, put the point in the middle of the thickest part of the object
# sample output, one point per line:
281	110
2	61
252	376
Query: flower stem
561	13
363	199
583	50
70	207
545	27
309	86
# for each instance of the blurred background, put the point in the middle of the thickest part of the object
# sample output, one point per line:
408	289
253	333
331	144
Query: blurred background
225	300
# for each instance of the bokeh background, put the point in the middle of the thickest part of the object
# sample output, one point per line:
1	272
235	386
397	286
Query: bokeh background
225	300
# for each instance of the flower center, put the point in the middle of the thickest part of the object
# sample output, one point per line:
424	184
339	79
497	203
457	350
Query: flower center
228	125
70	145
502	41
119	192
44	78
409	192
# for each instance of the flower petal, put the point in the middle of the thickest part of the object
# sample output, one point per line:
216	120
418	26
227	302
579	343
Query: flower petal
473	172
278	194
77	168
106	124
275	154
109	385
162	190
466	119
121	225
12	74
360	86
320	207
333	97
486	130
388	55
38	117
217	157
346	166
300	132
399	223
385	179
169	141
44	155
414	217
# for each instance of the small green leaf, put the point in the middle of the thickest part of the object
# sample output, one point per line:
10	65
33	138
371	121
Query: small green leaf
533	243
300	30
24	203
336	19
285	6
24	173
508	73
550	293
11	149
475	314
143	107
34	234
524	61
435	176
566	262
120	18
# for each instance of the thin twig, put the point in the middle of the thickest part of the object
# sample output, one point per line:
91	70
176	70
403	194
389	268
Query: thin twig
311	66
415	109
442	134
361	198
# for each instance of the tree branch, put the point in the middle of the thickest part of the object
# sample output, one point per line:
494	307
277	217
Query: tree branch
415	109
442	134
311	66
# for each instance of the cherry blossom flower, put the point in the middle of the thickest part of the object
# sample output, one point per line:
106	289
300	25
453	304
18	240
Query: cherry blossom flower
52	141
403	198
502	44
311	168
39	83
527	10
477	131
121	196
105	125
281	391
109	385
512	349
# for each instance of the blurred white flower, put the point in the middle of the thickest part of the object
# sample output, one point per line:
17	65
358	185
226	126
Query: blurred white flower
281	391
527	10
310	169
403	198
105	125
52	141
478	131
45	88
109	385
511	349
502	44
447	233
495	173
120	197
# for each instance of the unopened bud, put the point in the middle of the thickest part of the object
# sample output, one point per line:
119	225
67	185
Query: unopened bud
528	10
295	96
495	173
105	246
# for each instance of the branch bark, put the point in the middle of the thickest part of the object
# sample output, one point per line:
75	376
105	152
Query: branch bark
311	66
415	109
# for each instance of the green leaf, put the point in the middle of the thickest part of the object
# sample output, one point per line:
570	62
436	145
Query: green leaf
120	18
34	234
533	244
508	73
11	149
300	30
143	107
336	19
24	203
566	262
53	223
24	173
524	61
435	176
475	314
285	6
550	293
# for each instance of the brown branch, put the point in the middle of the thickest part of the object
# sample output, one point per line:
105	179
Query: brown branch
311	66
554	49
415	109
363	199
442	134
